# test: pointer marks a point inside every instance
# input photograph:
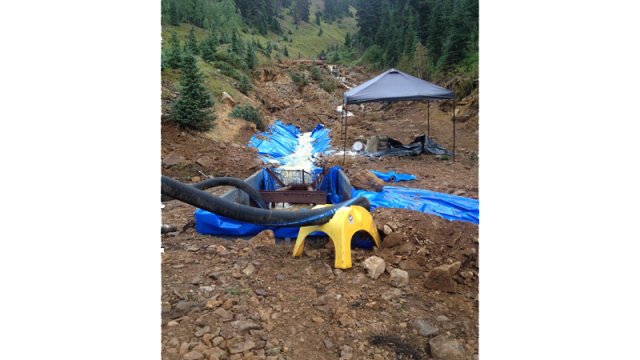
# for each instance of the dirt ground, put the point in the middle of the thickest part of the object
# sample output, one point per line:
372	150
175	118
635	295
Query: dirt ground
250	299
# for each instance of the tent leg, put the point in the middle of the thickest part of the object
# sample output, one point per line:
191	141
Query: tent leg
344	149
454	129
428	110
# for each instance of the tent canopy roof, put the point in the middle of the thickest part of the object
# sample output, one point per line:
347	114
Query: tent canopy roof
394	85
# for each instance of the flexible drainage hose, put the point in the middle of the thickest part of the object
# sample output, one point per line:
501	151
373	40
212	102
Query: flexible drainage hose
228	181
232	210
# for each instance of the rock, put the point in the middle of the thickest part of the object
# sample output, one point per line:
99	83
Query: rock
196	280
241	347
391	294
443	348
412	267
367	181
375	266
196	179
280	277
205	162
249	270
264	238
228	99
203	331
193	247
440	277
261	292
424	328
206	339
442	318
245	325
346	352
217	340
459	192
346	321
223	314
217	352
173	323
327	343
405	249
393	240
183	307
172	159
193	355
399	278
387	229
317	319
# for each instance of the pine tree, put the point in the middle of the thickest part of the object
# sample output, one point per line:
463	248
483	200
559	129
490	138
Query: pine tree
192	43
208	48
302	11
286	52
251	59
347	40
190	110
318	14
421	62
320	32
244	85
173	13
173	56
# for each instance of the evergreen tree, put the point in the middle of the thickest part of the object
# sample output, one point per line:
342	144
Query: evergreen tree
236	44
190	110
192	43
208	48
286	52
302	11
318	14
173	13
251	59
421	62
320	32
347	40
244	85
173	56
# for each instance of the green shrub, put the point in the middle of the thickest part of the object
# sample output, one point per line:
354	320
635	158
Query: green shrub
316	74
328	85
244	84
299	79
248	113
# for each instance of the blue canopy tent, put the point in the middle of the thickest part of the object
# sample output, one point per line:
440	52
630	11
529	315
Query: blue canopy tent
394	85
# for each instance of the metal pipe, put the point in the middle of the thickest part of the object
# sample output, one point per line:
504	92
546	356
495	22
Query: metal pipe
428	110
344	116
454	128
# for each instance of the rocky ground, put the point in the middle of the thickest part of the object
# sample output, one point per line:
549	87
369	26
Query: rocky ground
416	298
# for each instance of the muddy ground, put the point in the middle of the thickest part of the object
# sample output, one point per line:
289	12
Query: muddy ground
249	299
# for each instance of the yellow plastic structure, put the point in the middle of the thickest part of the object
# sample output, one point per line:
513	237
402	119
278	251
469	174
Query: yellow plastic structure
345	223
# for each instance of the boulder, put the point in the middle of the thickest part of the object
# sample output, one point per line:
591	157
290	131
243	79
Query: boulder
375	266
365	180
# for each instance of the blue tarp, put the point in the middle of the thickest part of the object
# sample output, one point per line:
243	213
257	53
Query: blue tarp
281	140
450	207
394	85
392	176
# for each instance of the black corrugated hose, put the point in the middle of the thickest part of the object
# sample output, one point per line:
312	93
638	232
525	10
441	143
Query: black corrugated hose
203	200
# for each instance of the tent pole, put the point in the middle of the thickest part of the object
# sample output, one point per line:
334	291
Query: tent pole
344	149
428	110
454	128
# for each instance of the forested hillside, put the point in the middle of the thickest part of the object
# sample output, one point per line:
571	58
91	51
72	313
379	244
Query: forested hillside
227	40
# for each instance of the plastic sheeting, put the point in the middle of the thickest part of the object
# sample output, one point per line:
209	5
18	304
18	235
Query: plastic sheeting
392	176
450	207
419	145
279	143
